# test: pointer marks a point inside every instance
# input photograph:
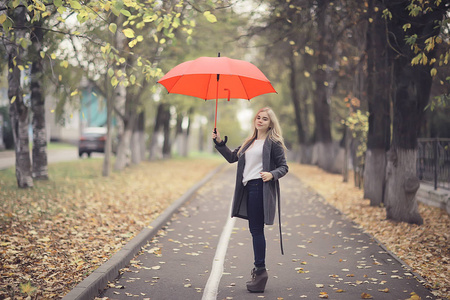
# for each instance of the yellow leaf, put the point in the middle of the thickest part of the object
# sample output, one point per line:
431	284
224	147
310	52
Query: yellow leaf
414	296
53	56
13	99
366	296
132	43
2	18
42	53
129	33
112	27
433	72
74	93
210	17
64	64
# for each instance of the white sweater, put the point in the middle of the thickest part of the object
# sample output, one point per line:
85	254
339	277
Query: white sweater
253	162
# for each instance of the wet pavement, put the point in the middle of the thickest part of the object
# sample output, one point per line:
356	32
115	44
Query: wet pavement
326	255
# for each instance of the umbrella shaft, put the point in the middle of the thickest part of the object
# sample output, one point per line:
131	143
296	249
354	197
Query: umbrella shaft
215	116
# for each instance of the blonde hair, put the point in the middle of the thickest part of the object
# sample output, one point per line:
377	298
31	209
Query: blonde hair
274	133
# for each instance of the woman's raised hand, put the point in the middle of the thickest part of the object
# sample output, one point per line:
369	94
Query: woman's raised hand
216	136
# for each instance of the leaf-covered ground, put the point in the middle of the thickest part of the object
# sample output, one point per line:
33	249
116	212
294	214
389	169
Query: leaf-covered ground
425	248
54	235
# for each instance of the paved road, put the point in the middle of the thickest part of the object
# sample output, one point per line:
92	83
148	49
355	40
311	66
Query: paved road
7	158
204	254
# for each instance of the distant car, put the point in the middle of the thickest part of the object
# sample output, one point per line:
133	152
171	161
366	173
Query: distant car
91	140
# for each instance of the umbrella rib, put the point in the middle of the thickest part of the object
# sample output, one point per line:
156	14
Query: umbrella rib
207	88
248	98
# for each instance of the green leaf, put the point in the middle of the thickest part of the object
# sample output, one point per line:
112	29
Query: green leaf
42	53
210	17
2	18
125	12
110	72
115	11
112	27
57	3
15	3
75	4
7	25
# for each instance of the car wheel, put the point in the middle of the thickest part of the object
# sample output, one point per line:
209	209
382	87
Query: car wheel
89	154
80	154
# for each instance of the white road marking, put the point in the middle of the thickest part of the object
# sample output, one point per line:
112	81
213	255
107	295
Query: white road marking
211	288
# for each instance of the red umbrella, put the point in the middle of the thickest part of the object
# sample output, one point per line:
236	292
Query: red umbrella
217	77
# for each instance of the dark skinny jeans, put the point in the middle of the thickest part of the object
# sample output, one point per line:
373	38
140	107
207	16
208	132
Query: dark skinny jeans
255	211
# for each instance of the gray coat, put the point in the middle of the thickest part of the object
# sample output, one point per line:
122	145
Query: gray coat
274	161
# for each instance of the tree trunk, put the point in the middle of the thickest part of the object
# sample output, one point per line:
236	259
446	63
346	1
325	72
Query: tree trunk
167	146
401	187
374	173
411	92
18	110
321	105
296	100
378	137
142	139
157	137
108	143
138	136
40	168
2	144
124	148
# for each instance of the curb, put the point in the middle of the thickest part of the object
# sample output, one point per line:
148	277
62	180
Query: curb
89	288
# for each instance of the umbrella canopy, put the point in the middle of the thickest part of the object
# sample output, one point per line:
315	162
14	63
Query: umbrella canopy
198	78
217	77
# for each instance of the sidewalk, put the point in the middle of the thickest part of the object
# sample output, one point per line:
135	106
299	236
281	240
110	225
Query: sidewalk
8	157
325	255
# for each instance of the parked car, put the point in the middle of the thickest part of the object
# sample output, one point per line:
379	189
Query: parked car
91	140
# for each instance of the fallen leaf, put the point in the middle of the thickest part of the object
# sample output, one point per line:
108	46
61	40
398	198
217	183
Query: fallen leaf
366	296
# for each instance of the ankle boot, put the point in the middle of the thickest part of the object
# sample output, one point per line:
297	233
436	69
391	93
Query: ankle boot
258	282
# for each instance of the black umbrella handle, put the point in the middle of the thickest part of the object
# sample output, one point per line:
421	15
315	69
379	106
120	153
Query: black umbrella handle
225	139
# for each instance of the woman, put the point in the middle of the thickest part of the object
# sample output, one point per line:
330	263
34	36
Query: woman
261	162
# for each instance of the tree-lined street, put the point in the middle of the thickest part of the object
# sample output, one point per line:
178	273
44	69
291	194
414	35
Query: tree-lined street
358	84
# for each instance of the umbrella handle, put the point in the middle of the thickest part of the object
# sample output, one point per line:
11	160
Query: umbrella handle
225	139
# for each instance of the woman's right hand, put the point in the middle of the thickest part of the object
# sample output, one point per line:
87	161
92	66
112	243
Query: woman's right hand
216	136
